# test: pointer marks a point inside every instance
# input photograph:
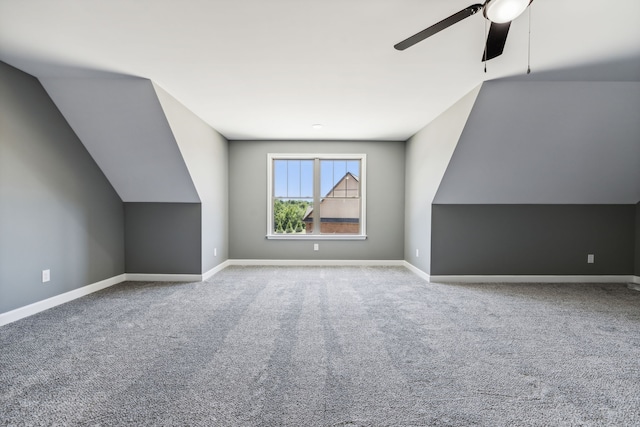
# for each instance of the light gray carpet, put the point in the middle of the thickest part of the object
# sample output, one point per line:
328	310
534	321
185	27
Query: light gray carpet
327	346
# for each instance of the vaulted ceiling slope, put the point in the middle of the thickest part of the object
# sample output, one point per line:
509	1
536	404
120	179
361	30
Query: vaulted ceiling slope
123	126
548	143
258	69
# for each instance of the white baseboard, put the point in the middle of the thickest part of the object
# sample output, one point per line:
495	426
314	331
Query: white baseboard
417	271
37	307
531	279
218	268
31	309
317	262
141	277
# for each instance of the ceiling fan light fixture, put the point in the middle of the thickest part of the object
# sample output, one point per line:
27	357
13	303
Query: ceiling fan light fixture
501	11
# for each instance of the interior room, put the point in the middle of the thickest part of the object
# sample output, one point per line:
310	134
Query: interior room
337	214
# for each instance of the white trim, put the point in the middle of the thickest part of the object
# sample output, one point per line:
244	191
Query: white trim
530	279
317	262
417	271
316	236
141	277
316	193
215	270
37	307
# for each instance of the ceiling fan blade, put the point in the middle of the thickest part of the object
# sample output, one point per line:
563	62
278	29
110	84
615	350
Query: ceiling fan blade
495	40
435	28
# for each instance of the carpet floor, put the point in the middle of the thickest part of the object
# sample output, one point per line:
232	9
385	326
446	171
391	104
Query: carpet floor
327	346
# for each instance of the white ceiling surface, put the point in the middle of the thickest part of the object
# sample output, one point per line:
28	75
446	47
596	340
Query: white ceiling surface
256	69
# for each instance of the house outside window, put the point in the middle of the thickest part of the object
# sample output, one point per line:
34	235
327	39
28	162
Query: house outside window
316	196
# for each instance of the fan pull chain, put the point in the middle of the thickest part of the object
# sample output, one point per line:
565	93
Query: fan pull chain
529	47
485	46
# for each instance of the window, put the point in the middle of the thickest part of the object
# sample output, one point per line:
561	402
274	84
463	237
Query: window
316	196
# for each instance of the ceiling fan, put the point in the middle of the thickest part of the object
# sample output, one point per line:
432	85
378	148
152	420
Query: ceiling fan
499	12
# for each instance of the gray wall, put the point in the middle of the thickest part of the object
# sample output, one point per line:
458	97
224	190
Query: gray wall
120	121
532	239
57	209
248	202
163	238
426	158
548	143
637	269
206	154
544	173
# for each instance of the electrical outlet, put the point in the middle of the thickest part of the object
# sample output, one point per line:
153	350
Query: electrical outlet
215	251
591	259
417	253
316	247
46	276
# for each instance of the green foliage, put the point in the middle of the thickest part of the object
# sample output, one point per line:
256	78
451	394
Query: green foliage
288	216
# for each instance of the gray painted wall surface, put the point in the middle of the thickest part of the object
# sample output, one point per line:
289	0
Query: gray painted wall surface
548	143
123	126
57	209
163	238
637	269
532	239
427	155
206	154
248	202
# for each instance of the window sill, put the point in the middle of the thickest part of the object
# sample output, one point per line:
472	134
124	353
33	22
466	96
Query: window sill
316	237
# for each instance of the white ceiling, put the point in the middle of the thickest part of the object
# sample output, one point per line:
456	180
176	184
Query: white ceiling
256	69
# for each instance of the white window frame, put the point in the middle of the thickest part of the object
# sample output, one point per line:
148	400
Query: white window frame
309	156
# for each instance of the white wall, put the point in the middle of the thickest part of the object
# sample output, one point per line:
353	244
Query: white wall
427	155
206	154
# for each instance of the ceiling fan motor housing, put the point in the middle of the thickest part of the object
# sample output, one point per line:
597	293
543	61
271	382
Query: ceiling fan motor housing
502	11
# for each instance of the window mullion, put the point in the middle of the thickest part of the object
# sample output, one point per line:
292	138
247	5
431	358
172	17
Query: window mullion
316	196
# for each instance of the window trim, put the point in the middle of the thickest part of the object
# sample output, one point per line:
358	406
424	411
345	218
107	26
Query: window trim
313	156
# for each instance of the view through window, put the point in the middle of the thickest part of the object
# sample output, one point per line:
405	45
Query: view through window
316	196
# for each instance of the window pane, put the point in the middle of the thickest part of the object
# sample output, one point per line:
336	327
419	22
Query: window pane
293	178
340	205
306	178
280	178
326	177
290	216
340	178
353	166
340	216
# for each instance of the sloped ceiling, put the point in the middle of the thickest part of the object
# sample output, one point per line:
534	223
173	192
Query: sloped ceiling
122	125
548	143
256	69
